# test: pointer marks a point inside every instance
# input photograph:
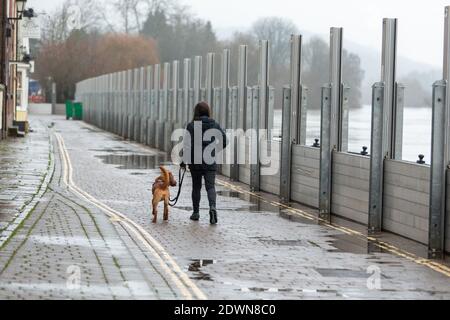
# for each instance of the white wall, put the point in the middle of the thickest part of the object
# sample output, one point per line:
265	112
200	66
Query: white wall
40	108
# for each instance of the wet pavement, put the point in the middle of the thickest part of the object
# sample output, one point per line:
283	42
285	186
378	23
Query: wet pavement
259	250
24	164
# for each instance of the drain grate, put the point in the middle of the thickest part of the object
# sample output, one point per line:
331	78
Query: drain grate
342	273
287	243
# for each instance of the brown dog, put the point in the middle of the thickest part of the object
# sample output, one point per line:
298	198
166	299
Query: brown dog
161	192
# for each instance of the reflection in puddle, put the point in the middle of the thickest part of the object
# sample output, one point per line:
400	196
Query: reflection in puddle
134	161
196	267
229	194
256	205
349	244
91	129
112	150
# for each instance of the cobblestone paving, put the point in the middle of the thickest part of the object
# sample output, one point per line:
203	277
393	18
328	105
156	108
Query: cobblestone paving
253	253
68	249
23	166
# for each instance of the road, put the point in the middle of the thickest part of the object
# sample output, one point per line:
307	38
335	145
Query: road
90	236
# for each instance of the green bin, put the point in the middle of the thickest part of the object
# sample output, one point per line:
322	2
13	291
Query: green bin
69	109
78	111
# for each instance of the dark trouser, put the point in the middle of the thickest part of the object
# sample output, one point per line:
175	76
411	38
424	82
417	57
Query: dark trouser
210	184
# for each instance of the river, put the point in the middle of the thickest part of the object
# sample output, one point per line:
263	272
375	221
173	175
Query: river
416	130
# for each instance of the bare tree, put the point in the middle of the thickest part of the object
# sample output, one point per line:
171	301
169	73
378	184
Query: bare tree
277	31
72	14
83	55
133	12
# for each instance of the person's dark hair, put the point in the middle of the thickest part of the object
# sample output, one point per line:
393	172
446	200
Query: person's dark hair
202	109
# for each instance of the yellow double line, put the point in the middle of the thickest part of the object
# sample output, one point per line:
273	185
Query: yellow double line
185	285
436	266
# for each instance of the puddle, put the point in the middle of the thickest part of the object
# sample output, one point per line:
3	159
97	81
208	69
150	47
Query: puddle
229	194
134	161
196	267
91	130
349	244
113	150
256	205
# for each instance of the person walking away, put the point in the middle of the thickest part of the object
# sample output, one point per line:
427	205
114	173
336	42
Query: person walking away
203	166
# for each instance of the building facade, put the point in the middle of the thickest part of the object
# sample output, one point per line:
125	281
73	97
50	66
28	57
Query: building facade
10	14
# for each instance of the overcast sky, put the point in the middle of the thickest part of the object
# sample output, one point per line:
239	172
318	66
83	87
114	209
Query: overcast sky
420	21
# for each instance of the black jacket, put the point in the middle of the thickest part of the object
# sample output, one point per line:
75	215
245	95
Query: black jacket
207	124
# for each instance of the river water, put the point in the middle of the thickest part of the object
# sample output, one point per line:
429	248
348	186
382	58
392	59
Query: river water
416	130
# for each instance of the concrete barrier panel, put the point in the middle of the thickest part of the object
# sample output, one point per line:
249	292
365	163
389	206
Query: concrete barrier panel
406	199
271	183
305	175
350	186
244	169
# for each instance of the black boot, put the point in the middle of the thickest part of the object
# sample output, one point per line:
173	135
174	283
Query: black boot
195	216
213	216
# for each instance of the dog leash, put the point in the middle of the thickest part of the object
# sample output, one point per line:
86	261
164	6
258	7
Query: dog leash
181	175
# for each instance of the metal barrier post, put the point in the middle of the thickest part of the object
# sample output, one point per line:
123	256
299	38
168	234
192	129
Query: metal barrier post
286	147
440	154
234	168
225	85
332	122
255	178
326	150
242	85
210	75
175	88
387	133
186	89
439	167
377	156
197	79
